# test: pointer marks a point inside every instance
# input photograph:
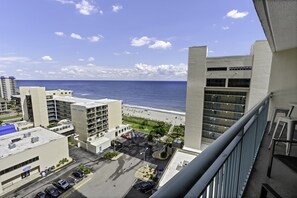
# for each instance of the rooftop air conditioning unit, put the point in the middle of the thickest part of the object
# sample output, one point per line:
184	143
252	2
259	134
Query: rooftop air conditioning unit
34	139
11	145
27	135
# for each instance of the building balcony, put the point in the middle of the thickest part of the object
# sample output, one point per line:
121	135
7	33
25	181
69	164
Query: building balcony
236	164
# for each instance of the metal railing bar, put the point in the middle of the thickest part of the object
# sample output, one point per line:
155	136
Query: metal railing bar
215	168
182	182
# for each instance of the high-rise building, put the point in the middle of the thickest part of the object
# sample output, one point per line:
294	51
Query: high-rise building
7	87
221	89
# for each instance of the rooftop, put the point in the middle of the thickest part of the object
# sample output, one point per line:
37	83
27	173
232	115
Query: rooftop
23	143
179	160
83	101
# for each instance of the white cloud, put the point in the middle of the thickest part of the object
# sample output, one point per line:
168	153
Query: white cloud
51	73
101	12
139	71
185	49
19	70
117	7
66	1
85	7
60	34
236	15
137	42
158	44
162	70
161	45
46	58
76	36
95	39
225	27
90	59
210	51
81	59
123	53
38	71
10	59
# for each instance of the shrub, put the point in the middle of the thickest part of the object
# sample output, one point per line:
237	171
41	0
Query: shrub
149	137
163	154
110	155
85	169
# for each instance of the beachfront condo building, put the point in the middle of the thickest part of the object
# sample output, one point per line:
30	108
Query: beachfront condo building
7	87
97	122
28	154
221	89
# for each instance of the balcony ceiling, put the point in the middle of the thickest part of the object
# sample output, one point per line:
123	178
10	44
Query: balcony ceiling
279	21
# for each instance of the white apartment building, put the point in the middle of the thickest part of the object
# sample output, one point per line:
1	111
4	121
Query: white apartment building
25	155
97	122
7	87
221	89
3	105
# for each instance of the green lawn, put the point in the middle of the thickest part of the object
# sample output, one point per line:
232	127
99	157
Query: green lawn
141	124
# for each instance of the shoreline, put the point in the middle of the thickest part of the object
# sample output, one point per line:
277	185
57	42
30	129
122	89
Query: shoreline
169	116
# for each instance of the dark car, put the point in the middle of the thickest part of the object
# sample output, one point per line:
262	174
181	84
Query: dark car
41	195
160	172
62	184
145	186
78	174
52	191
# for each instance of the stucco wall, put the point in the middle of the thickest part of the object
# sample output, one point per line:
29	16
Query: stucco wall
195	96
283	79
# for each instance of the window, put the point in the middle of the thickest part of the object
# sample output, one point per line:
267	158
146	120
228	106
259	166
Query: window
239	82
217	69
217	82
240	68
7	170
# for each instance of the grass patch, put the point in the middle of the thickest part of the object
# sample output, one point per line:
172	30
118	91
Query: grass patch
142	124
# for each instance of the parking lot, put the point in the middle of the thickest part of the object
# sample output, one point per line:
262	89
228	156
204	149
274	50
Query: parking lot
111	178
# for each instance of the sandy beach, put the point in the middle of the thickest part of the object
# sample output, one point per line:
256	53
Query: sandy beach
171	117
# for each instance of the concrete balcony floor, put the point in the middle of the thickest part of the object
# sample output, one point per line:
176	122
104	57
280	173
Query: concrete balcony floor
283	180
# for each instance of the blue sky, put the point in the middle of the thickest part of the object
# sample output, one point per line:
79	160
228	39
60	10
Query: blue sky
121	40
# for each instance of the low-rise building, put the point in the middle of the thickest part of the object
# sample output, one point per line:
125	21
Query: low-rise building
3	105
25	155
91	119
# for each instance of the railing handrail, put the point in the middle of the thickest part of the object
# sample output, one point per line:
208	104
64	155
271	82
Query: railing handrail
184	180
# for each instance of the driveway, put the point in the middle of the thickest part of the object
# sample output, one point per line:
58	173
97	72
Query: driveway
113	179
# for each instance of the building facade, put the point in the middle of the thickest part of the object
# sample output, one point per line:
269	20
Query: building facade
7	87
221	89
96	122
27	154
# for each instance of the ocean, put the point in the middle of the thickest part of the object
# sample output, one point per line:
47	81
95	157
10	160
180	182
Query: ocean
169	95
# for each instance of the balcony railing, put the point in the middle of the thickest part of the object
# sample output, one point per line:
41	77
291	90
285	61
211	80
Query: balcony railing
223	168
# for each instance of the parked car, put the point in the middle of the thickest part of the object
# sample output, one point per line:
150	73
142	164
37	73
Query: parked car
71	180
160	172
52	191
145	186
62	184
41	195
78	174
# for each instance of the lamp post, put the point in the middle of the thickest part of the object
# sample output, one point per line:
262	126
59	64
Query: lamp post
144	152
